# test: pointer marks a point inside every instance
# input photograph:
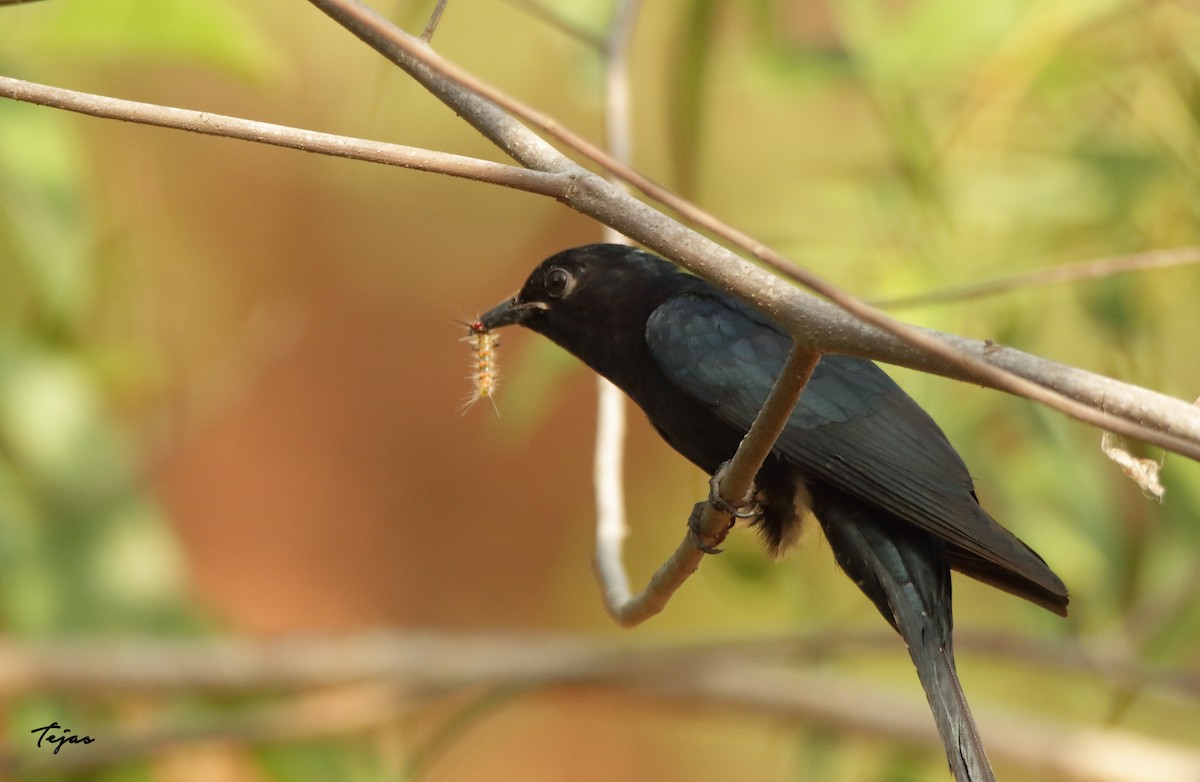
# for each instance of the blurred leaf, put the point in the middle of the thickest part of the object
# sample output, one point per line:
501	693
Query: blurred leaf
928	41
537	371
41	207
1115	306
213	33
691	54
87	551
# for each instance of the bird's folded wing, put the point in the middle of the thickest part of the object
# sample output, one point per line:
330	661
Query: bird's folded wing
853	427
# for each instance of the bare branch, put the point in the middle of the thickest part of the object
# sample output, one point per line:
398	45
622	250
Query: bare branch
737	477
209	124
611	527
736	481
816	325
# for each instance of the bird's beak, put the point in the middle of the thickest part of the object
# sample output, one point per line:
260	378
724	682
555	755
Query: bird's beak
508	312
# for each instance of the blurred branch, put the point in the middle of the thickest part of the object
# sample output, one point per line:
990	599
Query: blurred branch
341	711
736	482
452	730
628	609
438	660
608	469
376	678
1086	270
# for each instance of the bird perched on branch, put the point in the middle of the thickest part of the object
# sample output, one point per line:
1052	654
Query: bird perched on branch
894	499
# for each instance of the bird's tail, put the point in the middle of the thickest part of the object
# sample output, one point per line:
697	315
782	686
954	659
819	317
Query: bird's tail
905	573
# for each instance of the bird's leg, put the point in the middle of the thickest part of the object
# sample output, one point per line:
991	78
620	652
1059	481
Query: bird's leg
746	509
708	542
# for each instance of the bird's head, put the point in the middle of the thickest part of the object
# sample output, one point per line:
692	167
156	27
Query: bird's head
592	300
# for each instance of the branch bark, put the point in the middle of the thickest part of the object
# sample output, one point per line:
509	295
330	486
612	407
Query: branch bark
846	326
209	124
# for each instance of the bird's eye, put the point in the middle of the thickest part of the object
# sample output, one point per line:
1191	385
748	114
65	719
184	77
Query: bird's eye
559	282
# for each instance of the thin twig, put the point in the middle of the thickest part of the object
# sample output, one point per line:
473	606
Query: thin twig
608	470
1086	270
209	124
434	20
452	730
737	477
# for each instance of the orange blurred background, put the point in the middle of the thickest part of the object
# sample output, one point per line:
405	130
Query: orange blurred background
279	336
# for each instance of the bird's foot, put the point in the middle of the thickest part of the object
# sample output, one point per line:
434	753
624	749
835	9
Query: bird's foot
708	542
746	509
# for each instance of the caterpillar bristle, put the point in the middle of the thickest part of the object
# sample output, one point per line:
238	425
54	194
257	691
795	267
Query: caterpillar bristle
484	374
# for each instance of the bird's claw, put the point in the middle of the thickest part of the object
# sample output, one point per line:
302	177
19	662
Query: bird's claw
708	543
751	510
748	509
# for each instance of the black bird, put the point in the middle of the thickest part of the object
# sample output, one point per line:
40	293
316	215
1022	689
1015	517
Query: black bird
893	497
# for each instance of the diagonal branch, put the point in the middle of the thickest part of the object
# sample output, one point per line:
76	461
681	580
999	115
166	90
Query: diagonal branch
815	324
1097	269
736	480
209	124
737	477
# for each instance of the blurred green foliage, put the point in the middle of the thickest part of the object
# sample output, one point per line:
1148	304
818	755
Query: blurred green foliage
85	549
895	147
83	545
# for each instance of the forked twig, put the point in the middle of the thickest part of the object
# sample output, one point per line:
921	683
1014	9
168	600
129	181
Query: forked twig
435	19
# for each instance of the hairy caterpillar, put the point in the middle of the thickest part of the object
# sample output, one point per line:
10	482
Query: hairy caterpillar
483	371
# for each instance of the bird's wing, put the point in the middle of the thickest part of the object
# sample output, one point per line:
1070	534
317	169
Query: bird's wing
853	428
